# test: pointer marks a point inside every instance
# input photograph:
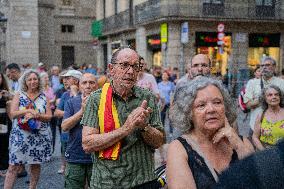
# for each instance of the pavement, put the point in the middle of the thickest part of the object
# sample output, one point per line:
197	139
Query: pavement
49	178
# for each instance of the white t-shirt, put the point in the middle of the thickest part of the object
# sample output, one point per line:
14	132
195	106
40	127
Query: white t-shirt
148	81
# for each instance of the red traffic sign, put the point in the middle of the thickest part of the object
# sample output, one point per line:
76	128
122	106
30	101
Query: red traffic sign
221	27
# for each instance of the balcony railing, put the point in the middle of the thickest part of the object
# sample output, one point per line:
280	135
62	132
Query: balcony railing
119	22
211	9
160	9
265	11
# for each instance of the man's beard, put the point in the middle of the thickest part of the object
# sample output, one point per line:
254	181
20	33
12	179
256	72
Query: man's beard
267	74
200	74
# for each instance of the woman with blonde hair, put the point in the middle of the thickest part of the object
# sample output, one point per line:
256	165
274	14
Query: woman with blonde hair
30	137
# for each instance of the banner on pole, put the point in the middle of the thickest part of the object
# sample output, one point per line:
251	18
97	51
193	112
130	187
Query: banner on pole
164	33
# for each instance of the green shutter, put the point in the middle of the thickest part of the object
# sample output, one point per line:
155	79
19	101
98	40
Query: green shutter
97	28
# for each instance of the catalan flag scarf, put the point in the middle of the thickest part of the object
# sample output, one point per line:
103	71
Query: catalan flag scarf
108	121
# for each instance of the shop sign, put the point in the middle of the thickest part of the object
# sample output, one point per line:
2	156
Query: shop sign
207	39
264	40
184	32
164	32
241	37
154	42
96	29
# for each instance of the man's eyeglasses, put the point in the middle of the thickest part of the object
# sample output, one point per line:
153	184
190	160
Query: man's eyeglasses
125	66
203	65
265	65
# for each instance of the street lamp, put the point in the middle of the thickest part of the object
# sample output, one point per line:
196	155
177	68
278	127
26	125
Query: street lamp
3	22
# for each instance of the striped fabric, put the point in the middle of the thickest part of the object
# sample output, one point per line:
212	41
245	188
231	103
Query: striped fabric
135	164
108	121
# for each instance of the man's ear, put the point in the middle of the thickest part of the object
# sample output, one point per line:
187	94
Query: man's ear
110	68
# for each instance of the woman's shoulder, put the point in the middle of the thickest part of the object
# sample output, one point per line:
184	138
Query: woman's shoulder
282	112
178	145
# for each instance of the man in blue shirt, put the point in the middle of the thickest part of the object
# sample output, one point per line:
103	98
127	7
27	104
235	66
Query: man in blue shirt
79	164
72	78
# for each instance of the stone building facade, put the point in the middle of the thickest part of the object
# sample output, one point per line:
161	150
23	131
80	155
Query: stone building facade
73	40
55	32
252	28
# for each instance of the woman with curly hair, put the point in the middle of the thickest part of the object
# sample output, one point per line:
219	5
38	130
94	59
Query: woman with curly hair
204	111
30	137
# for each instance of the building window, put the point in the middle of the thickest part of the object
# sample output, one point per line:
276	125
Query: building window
67	2
265	8
213	1
265	2
67	56
67	28
115	7
213	7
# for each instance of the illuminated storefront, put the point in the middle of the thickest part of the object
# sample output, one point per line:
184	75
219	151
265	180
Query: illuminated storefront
206	43
154	45
261	45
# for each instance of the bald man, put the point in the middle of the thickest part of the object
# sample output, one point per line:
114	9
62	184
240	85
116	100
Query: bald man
200	65
122	140
79	164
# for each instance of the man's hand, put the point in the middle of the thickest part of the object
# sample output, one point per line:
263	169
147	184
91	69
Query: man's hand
137	118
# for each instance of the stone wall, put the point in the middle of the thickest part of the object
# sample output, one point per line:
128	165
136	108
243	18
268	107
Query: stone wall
80	39
46	11
23	34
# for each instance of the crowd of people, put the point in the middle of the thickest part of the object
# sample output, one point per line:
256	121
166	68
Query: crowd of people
111	125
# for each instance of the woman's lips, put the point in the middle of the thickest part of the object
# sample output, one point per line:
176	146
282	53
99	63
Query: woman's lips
213	119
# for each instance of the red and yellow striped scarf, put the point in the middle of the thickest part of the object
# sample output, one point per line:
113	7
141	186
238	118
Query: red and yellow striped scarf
108	121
